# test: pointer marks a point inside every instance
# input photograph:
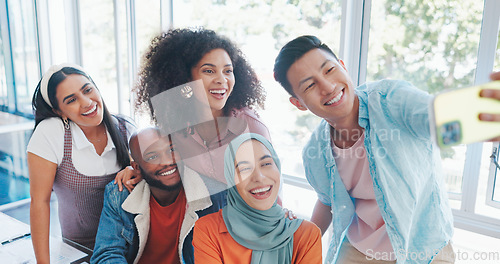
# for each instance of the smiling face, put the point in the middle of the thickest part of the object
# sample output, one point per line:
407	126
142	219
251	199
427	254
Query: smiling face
257	177
157	160
215	69
322	85
80	101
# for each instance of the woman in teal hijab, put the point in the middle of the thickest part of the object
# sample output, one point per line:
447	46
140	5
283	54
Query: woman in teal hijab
252	227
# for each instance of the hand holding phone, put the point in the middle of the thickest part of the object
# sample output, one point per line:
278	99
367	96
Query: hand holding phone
455	115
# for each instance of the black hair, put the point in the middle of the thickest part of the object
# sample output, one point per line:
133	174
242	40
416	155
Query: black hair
42	110
291	52
172	55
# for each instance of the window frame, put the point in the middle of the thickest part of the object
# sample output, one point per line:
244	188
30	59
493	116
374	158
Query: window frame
493	177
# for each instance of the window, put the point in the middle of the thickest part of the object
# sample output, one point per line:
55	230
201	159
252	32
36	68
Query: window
98	47
56	17
148	23
148	20
3	77
273	24
107	44
492	169
24	53
13	165
493	192
18	66
497	54
433	45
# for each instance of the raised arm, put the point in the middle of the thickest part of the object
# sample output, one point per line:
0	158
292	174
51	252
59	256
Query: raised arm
42	174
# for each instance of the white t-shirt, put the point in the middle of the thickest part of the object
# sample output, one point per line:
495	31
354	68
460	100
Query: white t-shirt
47	141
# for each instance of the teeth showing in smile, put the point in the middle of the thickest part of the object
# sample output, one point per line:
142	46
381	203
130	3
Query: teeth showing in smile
91	110
222	91
335	99
260	190
168	172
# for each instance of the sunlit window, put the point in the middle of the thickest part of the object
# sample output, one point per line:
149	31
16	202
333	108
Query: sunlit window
495	177
3	77
261	28
147	14
58	34
433	45
497	54
24	52
488	195
98	47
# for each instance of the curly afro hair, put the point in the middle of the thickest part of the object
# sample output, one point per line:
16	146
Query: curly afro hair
172	55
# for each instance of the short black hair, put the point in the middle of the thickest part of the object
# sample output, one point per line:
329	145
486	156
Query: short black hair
171	56
291	52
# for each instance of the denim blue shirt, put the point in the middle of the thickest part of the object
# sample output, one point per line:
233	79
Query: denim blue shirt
404	166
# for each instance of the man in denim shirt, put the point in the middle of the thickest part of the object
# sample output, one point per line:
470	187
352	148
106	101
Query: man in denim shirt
153	224
371	161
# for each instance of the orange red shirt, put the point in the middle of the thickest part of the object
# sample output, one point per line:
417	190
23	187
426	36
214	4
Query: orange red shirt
213	244
162	245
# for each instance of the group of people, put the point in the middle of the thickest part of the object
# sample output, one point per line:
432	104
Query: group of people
203	184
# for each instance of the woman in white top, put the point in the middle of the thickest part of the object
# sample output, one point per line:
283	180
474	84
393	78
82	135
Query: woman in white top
76	148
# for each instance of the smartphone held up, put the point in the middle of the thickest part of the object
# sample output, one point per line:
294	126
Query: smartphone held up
455	116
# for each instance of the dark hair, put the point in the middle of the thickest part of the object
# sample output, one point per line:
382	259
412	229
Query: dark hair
293	51
43	111
172	55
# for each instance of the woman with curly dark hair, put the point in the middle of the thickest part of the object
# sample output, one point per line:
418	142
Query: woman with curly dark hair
183	62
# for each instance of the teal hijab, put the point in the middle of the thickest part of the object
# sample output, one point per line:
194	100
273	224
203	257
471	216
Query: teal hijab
267	233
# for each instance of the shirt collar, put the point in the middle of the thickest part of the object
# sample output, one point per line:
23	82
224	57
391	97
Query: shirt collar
81	142
222	224
363	107
236	125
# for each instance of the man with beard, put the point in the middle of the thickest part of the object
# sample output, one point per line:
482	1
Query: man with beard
153	224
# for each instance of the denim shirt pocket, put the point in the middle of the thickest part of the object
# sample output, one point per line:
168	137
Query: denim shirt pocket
128	233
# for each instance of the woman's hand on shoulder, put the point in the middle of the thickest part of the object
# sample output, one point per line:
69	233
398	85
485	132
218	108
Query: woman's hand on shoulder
289	214
127	177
